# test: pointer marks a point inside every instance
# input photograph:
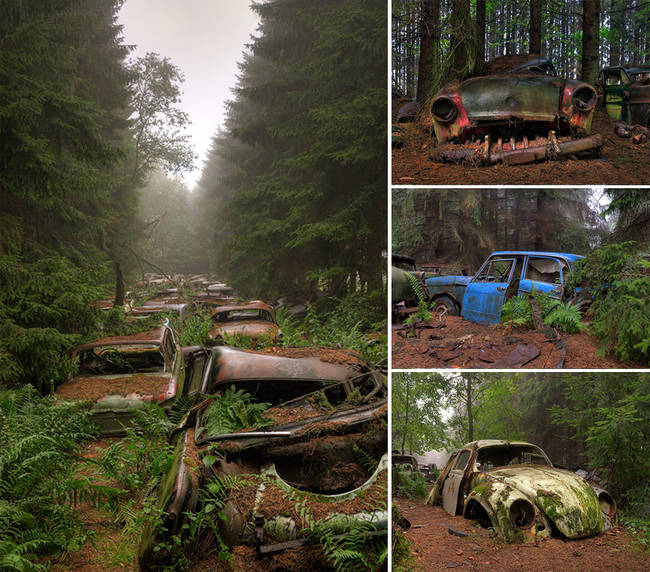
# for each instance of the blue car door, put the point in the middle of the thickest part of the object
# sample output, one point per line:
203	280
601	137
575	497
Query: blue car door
545	274
486	292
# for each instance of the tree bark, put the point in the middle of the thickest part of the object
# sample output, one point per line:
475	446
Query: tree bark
590	40
429	46
460	22
468	405
480	34
535	45
119	285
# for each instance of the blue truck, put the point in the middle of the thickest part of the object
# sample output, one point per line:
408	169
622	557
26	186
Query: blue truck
503	275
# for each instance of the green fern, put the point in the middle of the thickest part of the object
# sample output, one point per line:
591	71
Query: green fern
232	411
565	317
416	286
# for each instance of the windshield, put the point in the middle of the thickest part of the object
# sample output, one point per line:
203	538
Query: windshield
242	315
109	360
503	455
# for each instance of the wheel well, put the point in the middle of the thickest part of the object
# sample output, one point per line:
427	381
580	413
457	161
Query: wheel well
444	295
475	510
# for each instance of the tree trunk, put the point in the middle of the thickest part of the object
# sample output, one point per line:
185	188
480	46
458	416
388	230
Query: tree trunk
119	285
406	414
429	46
468	405
480	35
459	38
535	45
590	40
617	18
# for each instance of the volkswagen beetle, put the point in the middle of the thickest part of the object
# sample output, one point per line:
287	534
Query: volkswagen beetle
513	487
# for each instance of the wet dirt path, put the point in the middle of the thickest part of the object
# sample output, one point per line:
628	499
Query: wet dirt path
434	549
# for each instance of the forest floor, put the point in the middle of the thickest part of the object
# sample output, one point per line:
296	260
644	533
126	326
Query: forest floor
457	343
621	163
108	545
434	548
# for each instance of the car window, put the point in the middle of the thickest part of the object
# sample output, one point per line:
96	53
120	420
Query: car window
496	270
541	269
462	459
500	456
171	349
110	360
614	77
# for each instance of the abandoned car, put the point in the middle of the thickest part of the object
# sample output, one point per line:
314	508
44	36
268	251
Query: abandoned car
521	112
503	275
313	457
254	320
514	488
626	91
119	374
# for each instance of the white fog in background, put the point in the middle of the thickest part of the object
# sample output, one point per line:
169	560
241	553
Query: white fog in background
205	39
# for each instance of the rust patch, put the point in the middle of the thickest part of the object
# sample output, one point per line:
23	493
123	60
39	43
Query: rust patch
327	355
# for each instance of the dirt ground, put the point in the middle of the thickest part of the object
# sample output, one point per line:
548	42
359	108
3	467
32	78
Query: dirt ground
463	344
620	163
434	548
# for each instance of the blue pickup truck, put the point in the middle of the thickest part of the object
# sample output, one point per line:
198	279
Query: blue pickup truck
503	275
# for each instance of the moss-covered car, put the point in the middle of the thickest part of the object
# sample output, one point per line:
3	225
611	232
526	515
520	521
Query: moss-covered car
514	488
312	462
520	112
626	91
118	375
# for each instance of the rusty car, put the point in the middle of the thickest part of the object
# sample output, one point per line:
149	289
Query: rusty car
505	274
317	458
513	487
118	375
519	113
626	91
254	320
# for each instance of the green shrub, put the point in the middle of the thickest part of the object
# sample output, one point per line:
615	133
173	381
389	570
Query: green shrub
39	478
409	483
618	278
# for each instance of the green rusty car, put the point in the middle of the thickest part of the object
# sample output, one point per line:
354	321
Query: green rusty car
513	487
519	113
626	91
316	461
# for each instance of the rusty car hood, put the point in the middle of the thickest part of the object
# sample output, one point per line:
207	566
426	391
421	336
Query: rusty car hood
531	97
566	499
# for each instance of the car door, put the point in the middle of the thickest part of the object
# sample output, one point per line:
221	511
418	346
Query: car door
451	487
615	82
544	274
486	292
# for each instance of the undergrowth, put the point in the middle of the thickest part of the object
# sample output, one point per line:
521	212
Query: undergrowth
563	316
618	278
39	479
409	483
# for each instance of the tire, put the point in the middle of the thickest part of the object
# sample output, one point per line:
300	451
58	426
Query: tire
444	305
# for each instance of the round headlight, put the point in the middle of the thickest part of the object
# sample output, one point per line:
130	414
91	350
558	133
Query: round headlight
522	513
444	109
607	504
584	98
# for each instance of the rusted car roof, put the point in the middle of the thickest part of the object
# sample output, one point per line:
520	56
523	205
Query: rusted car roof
237	365
152	336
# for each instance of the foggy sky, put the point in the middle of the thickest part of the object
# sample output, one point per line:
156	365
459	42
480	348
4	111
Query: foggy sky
205	38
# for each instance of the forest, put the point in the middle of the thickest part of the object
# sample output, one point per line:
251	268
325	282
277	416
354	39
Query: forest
451	232
93	140
596	422
435	42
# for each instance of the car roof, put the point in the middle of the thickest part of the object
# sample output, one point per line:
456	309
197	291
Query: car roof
565	255
154	336
482	443
630	68
237	365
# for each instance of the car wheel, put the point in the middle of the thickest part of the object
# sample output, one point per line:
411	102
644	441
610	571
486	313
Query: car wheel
444	306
